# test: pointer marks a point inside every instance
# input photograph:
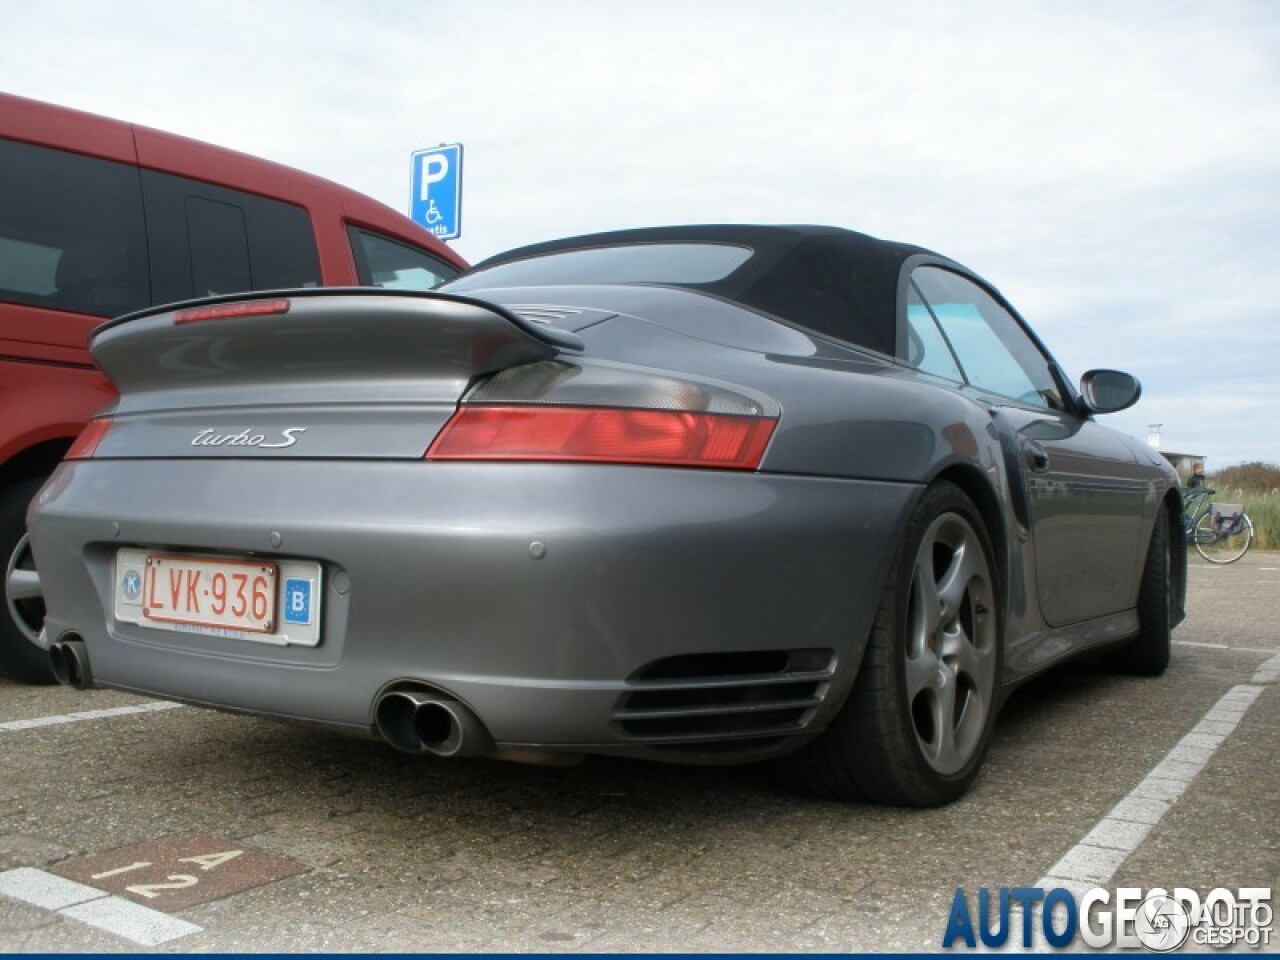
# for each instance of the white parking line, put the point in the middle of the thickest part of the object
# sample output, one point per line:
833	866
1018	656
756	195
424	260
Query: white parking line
76	901
1222	646
11	725
1094	860
1269	672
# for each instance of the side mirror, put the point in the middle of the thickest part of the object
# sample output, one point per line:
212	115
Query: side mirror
1109	391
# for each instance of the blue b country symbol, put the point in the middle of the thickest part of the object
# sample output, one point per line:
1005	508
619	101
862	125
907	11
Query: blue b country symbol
297	601
435	199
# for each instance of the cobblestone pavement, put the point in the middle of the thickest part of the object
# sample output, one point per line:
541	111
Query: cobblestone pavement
279	837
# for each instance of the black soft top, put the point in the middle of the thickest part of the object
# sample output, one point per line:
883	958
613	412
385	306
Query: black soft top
830	280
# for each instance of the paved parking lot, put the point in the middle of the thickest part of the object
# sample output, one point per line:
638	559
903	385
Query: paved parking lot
187	830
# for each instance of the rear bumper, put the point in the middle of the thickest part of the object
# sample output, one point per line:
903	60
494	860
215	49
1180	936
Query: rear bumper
548	598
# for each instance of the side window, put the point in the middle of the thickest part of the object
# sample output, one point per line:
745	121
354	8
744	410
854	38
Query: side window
71	232
382	262
282	245
994	352
219	246
927	349
206	239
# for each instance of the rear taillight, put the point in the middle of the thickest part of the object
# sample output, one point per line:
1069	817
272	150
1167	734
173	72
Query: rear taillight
604	435
253	308
86	445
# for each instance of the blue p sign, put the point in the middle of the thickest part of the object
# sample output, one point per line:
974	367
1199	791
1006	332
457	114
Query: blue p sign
436	190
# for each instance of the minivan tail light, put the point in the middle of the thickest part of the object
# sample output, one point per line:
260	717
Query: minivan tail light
253	308
604	435
86	445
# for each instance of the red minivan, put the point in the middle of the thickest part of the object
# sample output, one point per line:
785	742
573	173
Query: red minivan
99	218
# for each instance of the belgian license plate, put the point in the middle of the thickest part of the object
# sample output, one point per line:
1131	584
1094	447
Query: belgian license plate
235	595
274	600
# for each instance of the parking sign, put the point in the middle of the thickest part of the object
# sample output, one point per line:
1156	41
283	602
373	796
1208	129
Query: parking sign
436	190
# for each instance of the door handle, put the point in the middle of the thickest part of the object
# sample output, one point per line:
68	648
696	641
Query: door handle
1036	456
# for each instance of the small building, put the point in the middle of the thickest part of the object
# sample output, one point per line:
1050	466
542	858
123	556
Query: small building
1182	462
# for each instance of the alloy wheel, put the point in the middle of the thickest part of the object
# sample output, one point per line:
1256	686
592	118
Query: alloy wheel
951	635
23	594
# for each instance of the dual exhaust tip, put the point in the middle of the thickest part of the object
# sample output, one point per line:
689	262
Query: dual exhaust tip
70	663
414	721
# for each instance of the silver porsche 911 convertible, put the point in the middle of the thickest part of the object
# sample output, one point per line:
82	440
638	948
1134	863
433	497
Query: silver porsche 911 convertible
704	494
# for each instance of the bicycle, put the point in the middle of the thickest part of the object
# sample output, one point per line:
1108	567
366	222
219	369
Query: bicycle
1220	532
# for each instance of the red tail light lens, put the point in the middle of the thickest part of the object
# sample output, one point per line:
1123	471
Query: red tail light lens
254	308
86	445
604	435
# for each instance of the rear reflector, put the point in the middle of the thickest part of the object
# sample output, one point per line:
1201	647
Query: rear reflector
86	445
604	435
254	308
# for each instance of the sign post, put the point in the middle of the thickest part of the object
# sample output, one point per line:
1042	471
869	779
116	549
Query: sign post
435	199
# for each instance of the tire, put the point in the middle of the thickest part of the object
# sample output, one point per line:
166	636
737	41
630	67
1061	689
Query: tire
917	723
1217	548
1147	654
23	613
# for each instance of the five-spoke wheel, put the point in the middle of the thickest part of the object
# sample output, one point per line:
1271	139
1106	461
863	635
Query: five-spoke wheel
950	645
22	616
917	722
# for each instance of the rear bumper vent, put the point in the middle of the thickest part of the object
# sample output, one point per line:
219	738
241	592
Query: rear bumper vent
698	699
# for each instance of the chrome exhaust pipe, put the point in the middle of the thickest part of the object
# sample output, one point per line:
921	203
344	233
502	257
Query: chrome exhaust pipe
416	722
394	715
448	729
70	662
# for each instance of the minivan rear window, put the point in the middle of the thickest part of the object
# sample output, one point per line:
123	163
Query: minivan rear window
71	232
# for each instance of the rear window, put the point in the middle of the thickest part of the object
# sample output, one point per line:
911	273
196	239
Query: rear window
71	232
836	284
672	263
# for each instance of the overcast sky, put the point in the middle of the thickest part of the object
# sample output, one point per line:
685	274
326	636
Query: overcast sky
1114	168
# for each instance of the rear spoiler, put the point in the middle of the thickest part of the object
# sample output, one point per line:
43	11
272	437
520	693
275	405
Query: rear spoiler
563	339
317	335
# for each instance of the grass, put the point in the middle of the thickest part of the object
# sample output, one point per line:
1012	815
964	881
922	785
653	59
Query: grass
1263	509
1257	486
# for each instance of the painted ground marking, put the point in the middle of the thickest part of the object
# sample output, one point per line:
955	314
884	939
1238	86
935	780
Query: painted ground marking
77	901
177	872
1095	859
12	725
